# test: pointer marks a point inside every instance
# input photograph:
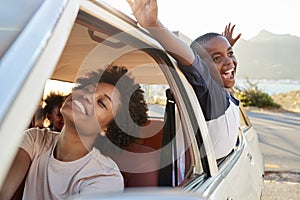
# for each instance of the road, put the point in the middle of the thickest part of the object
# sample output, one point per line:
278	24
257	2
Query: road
279	136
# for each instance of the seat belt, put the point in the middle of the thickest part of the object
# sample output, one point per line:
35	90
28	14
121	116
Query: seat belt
168	144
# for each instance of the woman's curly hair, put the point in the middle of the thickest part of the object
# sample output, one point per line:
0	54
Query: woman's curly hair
131	115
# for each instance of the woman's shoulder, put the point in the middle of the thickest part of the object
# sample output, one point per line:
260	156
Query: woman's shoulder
36	141
41	135
105	162
42	132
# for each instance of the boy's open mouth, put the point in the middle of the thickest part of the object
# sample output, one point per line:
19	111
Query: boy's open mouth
229	74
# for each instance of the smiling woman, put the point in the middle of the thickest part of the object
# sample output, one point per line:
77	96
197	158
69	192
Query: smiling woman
98	107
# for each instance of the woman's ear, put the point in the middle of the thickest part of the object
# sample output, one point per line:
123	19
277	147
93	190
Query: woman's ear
103	132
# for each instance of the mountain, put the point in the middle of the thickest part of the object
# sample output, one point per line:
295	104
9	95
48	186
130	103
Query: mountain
269	56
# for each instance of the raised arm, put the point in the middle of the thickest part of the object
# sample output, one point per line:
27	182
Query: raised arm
228	32
16	175
146	14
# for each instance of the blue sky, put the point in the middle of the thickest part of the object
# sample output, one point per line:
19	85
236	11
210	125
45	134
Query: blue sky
196	17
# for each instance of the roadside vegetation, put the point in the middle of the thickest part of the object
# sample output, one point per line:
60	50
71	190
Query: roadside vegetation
252	96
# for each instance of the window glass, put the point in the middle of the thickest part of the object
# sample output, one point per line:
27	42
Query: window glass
58	87
14	15
156	99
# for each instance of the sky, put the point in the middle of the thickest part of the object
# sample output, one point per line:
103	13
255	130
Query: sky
196	17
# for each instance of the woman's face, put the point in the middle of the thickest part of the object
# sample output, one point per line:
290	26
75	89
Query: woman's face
222	55
92	108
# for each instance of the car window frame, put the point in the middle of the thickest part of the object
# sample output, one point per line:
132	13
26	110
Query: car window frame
174	80
178	87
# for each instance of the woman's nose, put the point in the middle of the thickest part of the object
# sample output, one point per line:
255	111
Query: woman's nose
89	96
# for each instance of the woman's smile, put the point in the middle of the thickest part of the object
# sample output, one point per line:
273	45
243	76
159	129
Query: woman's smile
76	104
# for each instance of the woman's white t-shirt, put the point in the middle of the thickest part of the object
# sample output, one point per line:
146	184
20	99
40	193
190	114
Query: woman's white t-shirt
49	178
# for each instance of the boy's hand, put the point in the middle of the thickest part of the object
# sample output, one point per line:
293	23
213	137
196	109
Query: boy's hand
145	12
228	34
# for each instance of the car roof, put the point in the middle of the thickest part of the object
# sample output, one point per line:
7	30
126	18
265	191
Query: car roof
83	54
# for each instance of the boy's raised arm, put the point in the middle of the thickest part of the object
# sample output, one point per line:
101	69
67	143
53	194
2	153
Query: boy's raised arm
146	14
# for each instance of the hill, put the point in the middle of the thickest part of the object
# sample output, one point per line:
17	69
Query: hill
269	56
289	101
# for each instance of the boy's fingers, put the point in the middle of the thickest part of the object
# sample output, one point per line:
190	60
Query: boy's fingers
133	4
231	30
153	2
238	37
138	4
228	27
130	2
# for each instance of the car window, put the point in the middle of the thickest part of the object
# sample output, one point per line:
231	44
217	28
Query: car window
156	99
93	44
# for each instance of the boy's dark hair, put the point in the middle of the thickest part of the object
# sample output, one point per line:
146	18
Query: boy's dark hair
197	44
53	100
206	37
132	114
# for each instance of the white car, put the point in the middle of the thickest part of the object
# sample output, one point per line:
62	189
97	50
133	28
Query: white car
63	39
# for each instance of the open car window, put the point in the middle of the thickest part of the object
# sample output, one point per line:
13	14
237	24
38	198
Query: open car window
94	44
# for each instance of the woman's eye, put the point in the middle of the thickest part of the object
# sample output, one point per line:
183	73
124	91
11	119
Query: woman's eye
101	103
230	53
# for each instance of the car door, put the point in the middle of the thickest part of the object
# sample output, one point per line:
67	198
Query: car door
240	174
246	166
